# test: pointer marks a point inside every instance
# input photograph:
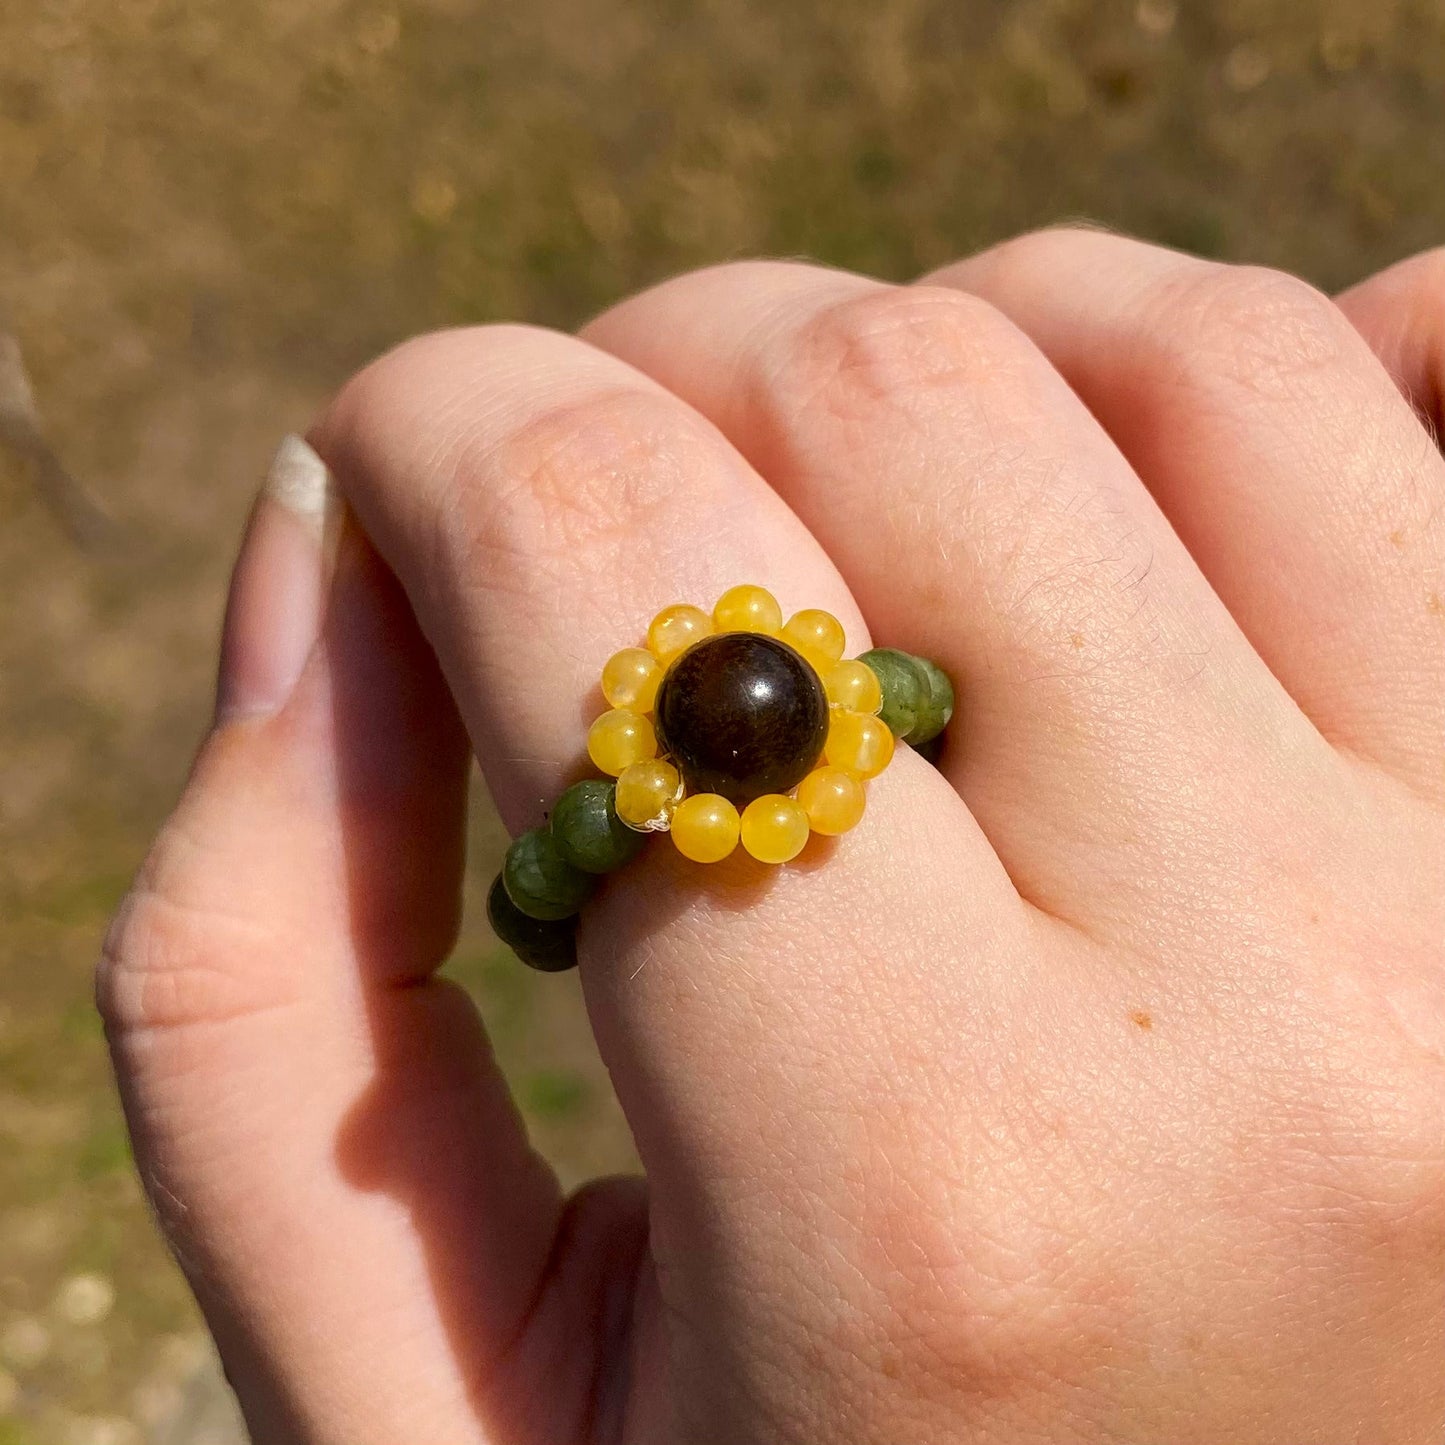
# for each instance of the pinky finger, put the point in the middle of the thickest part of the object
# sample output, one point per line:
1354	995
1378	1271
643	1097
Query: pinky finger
1401	314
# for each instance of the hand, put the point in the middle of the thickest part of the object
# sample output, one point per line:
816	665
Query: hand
1092	1090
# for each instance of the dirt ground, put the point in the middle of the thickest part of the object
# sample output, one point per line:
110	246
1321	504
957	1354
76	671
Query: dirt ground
212	210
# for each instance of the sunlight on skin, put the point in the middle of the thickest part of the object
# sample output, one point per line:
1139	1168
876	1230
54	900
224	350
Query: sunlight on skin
1070	1087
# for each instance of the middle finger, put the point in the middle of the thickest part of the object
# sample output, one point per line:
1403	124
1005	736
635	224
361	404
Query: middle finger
981	515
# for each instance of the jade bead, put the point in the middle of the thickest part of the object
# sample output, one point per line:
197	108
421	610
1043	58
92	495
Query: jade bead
936	707
540	881
587	831
550	946
904	685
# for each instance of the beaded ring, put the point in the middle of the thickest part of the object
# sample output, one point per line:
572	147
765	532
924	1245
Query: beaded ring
726	728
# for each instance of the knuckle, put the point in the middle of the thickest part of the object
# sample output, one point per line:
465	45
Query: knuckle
1249	329
399	387
1386	1160
1047	251
1423	276
530	449
971	1304
885	351
567	488
168	962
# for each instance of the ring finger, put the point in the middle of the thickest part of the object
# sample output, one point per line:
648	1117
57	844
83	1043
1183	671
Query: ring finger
981	515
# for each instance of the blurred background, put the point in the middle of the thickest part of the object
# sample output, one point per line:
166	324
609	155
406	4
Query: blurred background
211	211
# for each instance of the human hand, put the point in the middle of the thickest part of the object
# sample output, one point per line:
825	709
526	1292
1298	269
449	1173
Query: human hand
1093	1089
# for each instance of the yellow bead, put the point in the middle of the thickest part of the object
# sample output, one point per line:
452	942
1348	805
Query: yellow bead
815	633
647	792
861	744
676	628
832	799
705	828
853	685
630	679
620	738
747	609
774	828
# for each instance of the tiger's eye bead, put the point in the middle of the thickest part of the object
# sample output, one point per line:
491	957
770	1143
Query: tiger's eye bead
620	738
853	685
904	685
816	634
675	629
630	679
742	715
832	799
540	881
860	744
774	828
747	609
647	793
547	945
705	828
587	830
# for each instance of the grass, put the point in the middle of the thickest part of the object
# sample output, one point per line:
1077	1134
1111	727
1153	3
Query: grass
209	214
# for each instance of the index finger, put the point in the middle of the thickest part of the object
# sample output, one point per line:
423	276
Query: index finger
540	501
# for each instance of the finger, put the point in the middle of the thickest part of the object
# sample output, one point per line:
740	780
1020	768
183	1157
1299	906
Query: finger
319	1123
1401	314
980	515
1282	453
541	501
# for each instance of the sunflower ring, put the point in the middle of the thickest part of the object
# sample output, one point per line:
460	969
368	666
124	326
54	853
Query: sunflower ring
727	728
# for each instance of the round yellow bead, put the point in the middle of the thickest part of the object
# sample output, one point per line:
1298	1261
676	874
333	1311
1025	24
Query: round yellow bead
861	744
853	685
676	628
832	799
646	794
620	738
774	828
747	609
705	828
815	633
630	679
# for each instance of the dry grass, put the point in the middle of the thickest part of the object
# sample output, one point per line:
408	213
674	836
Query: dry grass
211	210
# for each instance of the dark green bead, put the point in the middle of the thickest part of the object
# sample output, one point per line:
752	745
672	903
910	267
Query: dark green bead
587	830
930	751
549	946
540	881
935	706
904	685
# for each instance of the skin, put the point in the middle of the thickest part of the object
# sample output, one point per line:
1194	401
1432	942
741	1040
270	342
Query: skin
1092	1090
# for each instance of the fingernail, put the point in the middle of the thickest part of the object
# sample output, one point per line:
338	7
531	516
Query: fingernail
280	585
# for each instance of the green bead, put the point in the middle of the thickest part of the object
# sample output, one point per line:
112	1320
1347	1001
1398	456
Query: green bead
930	751
904	686
549	946
540	881
936	705
588	833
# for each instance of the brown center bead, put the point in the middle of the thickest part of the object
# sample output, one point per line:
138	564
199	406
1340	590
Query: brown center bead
742	715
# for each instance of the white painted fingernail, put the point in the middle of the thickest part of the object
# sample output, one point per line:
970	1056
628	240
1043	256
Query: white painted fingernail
280	585
299	480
